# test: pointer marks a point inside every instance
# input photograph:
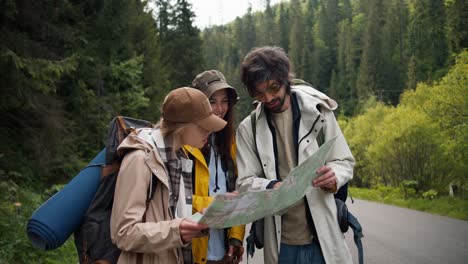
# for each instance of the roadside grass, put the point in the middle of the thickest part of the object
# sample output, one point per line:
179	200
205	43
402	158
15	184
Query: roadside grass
16	207
446	206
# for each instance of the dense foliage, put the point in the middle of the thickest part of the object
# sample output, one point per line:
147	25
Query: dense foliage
370	55
68	67
423	140
350	49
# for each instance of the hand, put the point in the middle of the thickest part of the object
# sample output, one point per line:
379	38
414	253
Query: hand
232	194
326	180
189	229
277	185
234	255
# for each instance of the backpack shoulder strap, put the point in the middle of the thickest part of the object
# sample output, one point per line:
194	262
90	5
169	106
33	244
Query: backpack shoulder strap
301	82
357	230
253	122
150	194
231	177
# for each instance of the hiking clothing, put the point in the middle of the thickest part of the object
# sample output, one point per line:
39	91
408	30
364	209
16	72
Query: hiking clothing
201	200
158	238
292	233
302	254
257	175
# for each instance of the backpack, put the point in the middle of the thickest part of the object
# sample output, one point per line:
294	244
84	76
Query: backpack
345	218
92	238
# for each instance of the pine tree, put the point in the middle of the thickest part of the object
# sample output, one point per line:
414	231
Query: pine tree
343	86
249	37
296	37
309	64
326	33
394	60
427	38
370	70
283	27
457	25
185	46
269	28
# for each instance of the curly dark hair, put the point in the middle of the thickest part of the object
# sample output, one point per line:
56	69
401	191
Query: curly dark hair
264	64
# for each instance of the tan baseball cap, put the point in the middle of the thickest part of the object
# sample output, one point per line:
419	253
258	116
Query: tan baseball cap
211	81
189	105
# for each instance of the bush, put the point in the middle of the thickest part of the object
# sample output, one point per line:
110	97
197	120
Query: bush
431	194
409	188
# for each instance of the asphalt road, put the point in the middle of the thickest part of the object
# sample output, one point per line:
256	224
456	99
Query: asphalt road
398	235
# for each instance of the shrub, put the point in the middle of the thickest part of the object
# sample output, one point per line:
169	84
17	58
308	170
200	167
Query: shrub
430	194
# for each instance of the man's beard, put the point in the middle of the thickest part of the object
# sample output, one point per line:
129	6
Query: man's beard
278	107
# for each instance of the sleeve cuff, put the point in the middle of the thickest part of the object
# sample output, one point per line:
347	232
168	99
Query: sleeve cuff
331	190
235	242
271	184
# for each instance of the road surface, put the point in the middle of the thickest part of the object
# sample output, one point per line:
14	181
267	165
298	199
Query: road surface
398	235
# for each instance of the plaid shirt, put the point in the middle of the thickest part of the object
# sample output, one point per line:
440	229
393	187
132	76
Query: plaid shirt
179	166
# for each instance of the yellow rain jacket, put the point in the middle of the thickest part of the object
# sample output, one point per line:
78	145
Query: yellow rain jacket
202	200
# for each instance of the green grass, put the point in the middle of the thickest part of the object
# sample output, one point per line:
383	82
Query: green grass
446	206
16	207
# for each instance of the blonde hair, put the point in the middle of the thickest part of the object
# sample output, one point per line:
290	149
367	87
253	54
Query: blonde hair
172	131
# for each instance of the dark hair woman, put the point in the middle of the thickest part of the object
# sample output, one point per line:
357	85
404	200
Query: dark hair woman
215	171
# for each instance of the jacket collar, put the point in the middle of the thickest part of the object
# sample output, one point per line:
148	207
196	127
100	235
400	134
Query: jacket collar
196	153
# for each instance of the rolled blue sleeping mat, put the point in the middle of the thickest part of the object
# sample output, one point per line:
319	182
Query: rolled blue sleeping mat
57	218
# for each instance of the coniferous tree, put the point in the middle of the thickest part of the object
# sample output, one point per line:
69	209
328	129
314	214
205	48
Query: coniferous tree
309	63
343	87
249	37
185	46
71	66
411	74
296	37
427	38
268	28
394	60
345	10
283	27
326	33
370	70
457	25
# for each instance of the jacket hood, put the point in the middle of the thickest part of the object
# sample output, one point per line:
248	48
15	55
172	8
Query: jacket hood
308	96
142	140
316	96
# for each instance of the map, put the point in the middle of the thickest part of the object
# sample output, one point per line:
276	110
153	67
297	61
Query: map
226	211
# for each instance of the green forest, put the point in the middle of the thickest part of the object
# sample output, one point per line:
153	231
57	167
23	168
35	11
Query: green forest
397	68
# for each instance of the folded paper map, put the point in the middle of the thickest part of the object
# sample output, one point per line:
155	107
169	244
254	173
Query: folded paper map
249	206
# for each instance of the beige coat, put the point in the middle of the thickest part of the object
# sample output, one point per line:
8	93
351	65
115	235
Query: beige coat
158	238
321	203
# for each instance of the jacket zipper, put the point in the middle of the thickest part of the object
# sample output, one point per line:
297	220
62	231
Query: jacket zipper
310	131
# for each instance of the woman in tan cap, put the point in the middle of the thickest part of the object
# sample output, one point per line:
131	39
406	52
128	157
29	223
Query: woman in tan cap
159	231
215	172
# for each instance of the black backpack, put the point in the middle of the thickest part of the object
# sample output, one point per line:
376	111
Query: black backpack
345	218
92	238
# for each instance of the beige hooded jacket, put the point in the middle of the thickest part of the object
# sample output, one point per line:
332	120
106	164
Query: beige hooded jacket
158	238
321	203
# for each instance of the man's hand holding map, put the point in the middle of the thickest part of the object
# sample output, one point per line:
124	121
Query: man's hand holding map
226	211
